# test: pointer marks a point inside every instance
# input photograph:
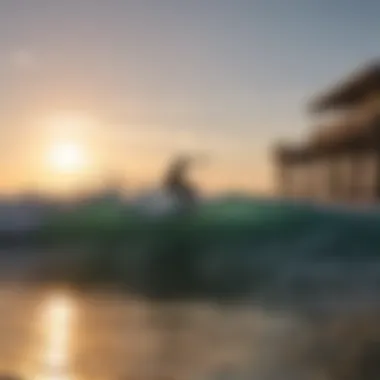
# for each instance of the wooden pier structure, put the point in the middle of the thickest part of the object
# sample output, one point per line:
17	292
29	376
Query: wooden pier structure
340	160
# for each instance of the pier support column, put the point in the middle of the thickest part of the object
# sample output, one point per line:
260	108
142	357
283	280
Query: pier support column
356	177
285	179
333	178
326	179
308	180
368	176
346	177
376	171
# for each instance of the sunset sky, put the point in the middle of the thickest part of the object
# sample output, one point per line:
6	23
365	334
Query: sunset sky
99	89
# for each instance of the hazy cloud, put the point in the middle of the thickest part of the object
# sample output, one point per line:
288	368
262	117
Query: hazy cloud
23	59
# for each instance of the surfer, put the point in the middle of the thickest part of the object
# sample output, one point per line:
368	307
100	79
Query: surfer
177	184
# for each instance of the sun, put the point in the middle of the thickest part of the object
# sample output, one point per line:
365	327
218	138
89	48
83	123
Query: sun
67	157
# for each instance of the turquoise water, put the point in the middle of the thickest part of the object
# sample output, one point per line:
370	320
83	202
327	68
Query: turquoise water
229	248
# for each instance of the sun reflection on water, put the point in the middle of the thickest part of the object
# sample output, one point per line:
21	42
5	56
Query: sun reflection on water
57	318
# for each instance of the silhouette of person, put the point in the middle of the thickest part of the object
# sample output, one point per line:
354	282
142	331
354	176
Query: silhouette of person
177	184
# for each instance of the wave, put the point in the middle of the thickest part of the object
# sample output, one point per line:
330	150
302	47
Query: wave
234	247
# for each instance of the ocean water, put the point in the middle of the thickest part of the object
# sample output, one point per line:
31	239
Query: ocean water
231	248
50	334
241	288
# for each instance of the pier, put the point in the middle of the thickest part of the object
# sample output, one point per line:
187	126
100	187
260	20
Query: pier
340	160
